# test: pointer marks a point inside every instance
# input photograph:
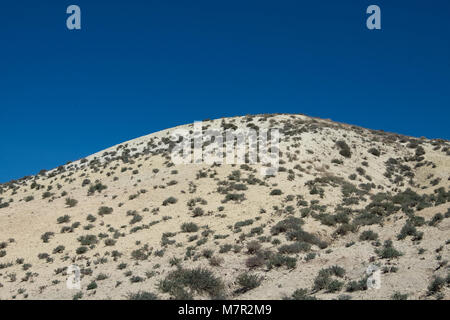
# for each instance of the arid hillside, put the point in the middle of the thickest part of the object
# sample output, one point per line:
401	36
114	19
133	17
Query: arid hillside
138	226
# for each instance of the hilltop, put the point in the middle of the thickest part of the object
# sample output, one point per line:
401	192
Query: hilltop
138	225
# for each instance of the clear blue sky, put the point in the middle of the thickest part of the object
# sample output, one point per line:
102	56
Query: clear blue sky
140	66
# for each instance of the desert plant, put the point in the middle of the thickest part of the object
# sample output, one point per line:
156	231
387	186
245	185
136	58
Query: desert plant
104	211
71	202
247	282
170	200
142	295
368	235
201	281
189	227
63	219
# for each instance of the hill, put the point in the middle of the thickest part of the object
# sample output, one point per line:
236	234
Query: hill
343	202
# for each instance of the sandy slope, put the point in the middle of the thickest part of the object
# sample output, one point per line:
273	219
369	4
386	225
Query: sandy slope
309	151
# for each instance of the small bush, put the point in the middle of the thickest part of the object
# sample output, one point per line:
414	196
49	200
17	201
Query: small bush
216	261
438	217
301	294
407	230
255	261
399	296
88	240
104	211
63	219
142	295
71	202
110	242
197	212
201	281
368	235
170	200
253	247
189	227
276	192
58	249
248	282
360	285
92	286
46	236
81	250
436	285
344	149
279	260
295	247
374	151
388	251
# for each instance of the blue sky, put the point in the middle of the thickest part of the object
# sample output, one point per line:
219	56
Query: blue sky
141	66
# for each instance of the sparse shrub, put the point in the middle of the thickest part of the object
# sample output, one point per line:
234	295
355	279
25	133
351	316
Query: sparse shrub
92	286
71	202
189	227
399	296
58	249
225	248
301	294
46	236
279	260
201	281
197	212
102	276
360	285
244	223
324	280
289	224
135	279
63	219
46	195
295	247
170	200
81	250
388	251
104	211
407	230
344	149
310	256
88	240
255	261
335	286
276	192
237	197
437	283
139	254
77	296
368	235
216	261
438	217
98	187
142	295
110	242
248	282
374	151
253	247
